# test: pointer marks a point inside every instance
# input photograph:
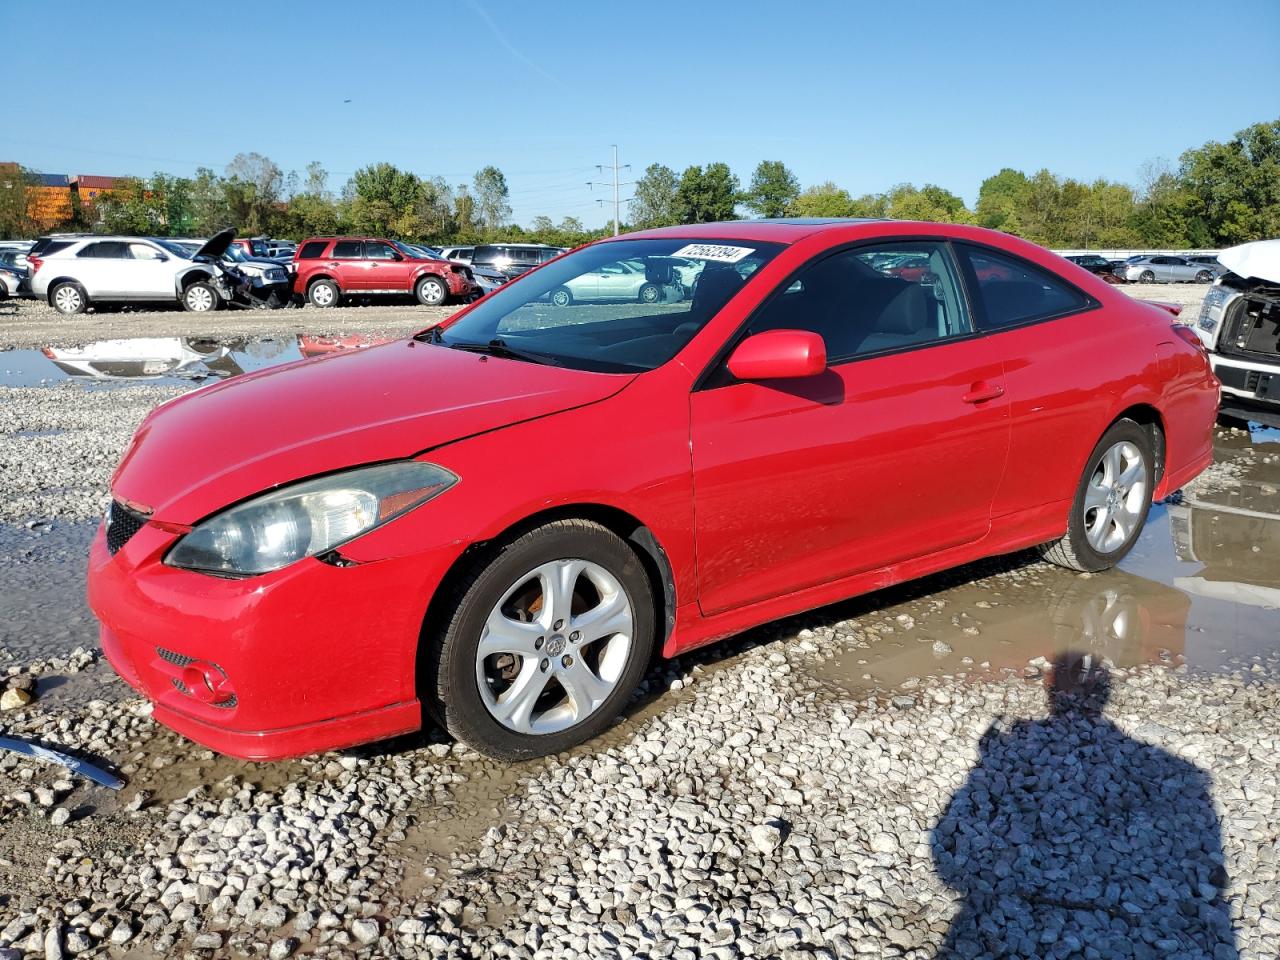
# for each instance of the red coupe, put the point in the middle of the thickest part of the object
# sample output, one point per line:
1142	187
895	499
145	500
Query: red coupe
502	519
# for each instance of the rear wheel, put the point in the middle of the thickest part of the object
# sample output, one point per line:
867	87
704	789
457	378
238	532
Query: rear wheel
68	299
650	293
431	291
323	294
561	296
200	297
1111	502
544	643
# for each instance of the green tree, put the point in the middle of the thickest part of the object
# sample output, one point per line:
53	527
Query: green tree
253	188
16	183
1000	200
131	208
381	199
209	209
706	196
492	197
1231	191
822	200
773	188
655	202
930	202
312	210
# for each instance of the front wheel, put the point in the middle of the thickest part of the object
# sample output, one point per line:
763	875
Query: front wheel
1147	277
431	291
200	297
545	640
650	293
1111	502
561	297
1204	276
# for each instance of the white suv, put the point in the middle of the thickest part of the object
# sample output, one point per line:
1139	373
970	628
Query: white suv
131	269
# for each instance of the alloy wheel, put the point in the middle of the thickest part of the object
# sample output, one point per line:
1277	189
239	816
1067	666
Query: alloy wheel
1114	497
322	295
554	648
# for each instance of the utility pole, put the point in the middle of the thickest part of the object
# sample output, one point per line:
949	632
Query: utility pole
616	184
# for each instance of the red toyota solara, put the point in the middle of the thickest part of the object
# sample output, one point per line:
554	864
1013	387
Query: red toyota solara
501	519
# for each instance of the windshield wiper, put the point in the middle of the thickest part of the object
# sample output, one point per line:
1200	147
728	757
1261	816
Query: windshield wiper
497	347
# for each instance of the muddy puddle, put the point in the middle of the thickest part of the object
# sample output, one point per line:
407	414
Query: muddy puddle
1201	588
171	361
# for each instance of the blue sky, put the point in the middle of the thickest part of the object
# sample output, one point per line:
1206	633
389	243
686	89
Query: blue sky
864	94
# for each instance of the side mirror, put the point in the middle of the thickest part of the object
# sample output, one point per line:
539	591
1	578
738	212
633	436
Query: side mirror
779	355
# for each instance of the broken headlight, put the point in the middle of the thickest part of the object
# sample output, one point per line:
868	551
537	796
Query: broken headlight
1211	308
307	519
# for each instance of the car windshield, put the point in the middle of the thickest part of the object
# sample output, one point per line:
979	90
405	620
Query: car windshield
177	249
413	251
235	253
621	306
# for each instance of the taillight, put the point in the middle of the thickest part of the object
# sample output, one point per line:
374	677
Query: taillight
35	263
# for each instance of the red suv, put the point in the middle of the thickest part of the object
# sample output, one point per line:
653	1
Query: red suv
330	268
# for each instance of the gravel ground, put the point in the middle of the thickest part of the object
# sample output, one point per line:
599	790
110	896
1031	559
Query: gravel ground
1005	760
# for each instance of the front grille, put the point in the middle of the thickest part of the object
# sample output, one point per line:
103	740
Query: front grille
122	524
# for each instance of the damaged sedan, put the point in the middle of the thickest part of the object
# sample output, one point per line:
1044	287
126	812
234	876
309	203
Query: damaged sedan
1239	323
498	523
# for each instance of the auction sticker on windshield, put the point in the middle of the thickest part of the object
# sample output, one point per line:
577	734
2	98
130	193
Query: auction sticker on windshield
713	251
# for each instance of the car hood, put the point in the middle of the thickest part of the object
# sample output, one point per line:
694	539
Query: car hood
1259	260
223	443
216	245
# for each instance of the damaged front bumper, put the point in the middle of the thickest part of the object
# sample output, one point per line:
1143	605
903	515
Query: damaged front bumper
1239	323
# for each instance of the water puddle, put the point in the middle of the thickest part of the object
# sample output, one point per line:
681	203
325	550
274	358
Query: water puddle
1200	588
166	361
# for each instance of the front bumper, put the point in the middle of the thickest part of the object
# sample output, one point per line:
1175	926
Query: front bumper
314	657
1252	380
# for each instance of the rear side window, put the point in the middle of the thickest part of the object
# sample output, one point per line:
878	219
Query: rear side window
1012	291
105	250
45	248
347	250
312	249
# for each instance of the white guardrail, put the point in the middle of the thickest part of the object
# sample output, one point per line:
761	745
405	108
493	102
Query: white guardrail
1115	254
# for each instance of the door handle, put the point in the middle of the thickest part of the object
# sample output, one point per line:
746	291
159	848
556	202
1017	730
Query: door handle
983	391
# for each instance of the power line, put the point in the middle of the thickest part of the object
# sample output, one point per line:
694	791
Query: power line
616	184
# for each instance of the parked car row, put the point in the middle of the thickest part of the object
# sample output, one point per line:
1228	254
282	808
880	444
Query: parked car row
1152	268
73	271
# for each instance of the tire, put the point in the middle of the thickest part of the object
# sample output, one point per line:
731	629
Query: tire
201	297
1099	532
561	297
324	294
1204	276
431	291
1146	277
650	293
468	690
68	299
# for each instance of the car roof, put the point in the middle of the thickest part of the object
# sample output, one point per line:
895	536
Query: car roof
776	230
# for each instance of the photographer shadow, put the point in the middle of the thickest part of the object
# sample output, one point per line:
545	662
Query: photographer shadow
1070	839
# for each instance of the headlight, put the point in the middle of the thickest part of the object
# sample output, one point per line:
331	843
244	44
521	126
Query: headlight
1211	308
306	519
